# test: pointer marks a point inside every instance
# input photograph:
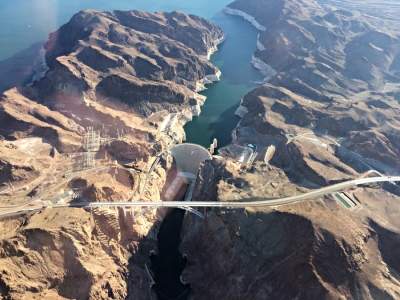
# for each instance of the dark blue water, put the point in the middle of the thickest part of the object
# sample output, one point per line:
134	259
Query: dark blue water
168	264
26	22
217	119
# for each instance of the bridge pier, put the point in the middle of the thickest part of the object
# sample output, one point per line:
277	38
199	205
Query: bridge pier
124	208
132	212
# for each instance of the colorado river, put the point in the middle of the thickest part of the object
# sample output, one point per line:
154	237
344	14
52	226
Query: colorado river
169	263
217	119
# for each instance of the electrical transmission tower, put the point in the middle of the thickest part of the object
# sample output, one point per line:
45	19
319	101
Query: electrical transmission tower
91	139
91	143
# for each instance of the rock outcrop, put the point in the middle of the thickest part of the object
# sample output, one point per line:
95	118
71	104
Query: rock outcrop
118	89
134	61
328	113
56	255
315	249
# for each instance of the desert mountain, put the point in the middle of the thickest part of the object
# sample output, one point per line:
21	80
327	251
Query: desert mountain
324	46
340	63
121	81
327	112
128	63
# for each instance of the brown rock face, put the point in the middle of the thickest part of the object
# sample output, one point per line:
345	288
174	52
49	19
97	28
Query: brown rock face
21	117
317	166
327	47
310	250
58	255
149	61
108	72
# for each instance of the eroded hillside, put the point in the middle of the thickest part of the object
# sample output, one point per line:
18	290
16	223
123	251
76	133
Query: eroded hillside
95	128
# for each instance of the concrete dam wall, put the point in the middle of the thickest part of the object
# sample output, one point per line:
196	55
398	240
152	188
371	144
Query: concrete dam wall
189	156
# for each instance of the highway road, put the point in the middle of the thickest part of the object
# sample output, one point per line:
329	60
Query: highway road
148	176
292	138
31	183
229	204
68	177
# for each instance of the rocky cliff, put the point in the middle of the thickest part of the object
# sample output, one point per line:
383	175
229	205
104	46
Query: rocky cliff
57	255
314	249
118	89
106	62
328	113
341	61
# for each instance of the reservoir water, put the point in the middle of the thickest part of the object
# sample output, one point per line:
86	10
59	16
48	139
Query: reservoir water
25	25
217	119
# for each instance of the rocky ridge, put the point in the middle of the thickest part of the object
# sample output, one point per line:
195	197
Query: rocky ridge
328	113
127	81
148	62
310	250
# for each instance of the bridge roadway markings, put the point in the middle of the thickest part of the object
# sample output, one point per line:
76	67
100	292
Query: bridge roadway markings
272	202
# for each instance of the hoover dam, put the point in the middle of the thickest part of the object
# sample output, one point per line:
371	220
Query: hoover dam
189	156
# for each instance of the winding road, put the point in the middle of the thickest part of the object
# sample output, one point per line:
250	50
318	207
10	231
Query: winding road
68	176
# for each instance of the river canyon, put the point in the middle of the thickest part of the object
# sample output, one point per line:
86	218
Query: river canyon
295	96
